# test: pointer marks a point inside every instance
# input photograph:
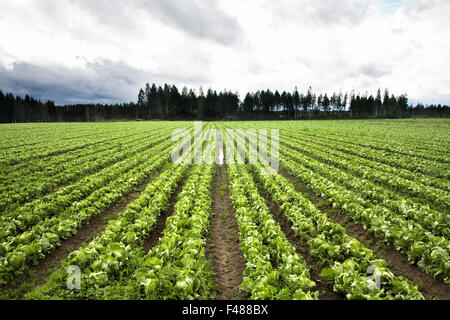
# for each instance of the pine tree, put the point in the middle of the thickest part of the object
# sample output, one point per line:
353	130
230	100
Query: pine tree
386	107
378	103
326	103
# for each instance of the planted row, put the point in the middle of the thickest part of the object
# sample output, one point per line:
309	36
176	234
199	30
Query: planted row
51	166
22	217
57	146
17	253
110	256
416	177
177	267
430	251
264	245
13	195
399	144
388	177
434	221
348	259
427	167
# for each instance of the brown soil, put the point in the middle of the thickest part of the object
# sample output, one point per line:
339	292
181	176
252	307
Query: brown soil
430	287
325	290
75	179
402	192
158	229
59	152
94	227
223	241
398	262
301	247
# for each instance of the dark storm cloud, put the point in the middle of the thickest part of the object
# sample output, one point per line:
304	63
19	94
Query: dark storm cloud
99	82
201	19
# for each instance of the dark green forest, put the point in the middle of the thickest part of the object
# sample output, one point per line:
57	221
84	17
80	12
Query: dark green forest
168	103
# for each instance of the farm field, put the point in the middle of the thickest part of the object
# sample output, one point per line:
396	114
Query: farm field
356	209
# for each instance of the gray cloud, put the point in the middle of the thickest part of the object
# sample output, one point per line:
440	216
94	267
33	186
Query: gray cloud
320	12
201	19
330	44
418	6
100	82
332	12
117	14
374	70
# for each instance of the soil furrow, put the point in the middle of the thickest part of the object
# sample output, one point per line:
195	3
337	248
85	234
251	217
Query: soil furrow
223	241
156	233
94	227
301	247
400	192
398	262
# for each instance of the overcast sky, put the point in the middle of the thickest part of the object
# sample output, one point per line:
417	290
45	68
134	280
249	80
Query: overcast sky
104	51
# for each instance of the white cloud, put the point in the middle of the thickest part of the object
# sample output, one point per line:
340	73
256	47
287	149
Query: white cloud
233	44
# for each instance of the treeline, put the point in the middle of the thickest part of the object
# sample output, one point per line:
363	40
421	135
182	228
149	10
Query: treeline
269	104
15	109
295	105
168	103
155	103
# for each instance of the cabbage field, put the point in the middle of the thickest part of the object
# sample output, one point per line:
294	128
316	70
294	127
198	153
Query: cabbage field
354	209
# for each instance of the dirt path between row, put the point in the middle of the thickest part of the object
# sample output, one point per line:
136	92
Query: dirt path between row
398	262
160	225
223	241
94	227
401	192
301	247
